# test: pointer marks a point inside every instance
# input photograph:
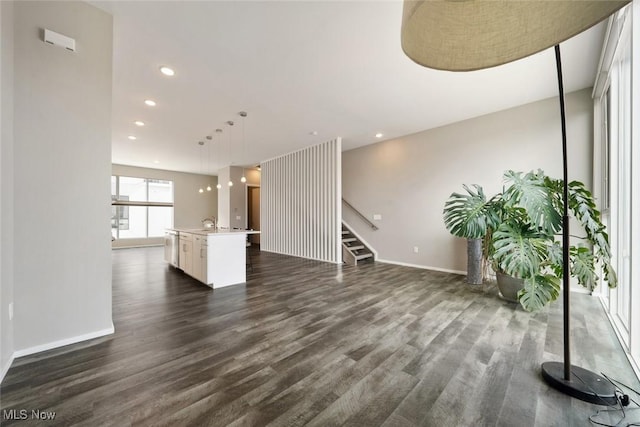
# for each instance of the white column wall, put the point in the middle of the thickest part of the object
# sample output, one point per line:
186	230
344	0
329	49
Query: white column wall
6	187
300	202
62	169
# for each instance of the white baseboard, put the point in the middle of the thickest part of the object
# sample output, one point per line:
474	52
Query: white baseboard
62	343
424	267
5	368
137	246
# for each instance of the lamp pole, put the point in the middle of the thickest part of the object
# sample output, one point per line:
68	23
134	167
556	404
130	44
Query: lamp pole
565	223
572	380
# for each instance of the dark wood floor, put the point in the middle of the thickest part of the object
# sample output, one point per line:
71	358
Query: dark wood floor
305	342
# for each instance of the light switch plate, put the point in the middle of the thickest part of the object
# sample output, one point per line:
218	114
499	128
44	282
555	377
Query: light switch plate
377	217
238	217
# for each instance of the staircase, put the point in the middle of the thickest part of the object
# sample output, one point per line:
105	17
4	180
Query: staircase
353	250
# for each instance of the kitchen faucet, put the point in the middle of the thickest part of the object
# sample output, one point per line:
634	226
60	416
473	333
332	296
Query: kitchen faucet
209	222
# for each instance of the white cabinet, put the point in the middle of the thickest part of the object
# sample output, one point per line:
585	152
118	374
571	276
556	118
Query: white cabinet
199	270
193	255
186	252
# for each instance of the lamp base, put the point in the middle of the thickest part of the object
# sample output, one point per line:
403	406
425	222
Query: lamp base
584	385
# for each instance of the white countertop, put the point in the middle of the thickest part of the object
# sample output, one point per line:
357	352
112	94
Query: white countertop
213	231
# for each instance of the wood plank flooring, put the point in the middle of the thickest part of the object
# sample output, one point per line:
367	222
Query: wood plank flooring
310	343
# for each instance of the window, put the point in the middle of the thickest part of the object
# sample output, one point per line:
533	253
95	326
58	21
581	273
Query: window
606	153
615	172
140	207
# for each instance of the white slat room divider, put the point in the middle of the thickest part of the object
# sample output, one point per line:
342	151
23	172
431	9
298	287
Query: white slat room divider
300	203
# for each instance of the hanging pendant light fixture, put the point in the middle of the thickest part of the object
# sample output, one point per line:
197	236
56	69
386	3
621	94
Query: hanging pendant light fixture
243	114
230	183
218	185
209	138
201	144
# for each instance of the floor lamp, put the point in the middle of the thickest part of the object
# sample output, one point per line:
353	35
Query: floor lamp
467	35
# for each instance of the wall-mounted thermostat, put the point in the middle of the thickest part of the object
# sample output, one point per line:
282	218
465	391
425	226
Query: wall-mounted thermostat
57	39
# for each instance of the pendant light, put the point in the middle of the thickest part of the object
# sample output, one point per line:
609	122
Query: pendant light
243	114
230	183
201	144
218	185
209	138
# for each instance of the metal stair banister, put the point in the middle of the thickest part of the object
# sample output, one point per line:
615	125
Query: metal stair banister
364	218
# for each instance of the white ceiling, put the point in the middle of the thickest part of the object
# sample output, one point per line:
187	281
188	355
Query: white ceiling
295	67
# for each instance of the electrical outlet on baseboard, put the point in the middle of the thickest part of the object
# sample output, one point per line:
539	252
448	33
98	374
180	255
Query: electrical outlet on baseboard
11	311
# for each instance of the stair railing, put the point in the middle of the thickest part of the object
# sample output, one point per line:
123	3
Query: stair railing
364	218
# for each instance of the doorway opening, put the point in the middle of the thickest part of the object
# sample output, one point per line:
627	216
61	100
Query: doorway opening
253	212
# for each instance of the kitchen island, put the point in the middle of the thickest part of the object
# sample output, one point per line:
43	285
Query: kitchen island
214	256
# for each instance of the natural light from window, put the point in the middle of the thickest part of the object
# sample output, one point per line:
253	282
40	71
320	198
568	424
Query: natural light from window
141	207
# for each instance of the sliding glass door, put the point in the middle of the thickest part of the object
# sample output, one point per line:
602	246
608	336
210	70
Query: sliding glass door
617	188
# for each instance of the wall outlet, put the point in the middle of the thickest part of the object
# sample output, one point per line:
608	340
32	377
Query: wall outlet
416	249
10	311
377	217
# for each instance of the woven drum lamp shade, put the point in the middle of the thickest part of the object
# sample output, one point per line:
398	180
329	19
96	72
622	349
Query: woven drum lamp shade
466	35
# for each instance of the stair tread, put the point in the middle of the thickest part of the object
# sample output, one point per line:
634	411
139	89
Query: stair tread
358	251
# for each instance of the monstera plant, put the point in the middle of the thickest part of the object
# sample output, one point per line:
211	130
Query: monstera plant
520	227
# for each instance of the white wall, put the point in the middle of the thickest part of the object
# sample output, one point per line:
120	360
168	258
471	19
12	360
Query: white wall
189	206
6	185
62	152
300	206
407	180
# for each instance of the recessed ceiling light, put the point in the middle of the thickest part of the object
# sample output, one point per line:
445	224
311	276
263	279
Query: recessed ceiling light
131	137
156	161
379	135
167	71
150	102
139	123
313	132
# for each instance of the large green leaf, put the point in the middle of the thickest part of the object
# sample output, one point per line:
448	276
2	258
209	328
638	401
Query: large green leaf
583	207
583	266
554	258
529	191
471	215
519	250
539	291
610	275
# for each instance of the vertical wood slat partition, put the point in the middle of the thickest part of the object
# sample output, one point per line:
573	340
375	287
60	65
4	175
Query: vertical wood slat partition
300	196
